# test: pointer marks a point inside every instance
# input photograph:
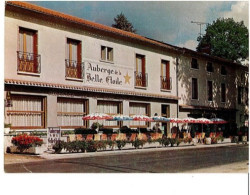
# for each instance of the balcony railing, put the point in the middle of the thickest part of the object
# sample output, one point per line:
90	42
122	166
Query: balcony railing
74	69
166	83
141	79
28	62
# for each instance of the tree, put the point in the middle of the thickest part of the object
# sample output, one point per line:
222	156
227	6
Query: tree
225	38
122	23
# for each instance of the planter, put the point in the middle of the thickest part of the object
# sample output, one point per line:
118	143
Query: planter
195	140
6	130
32	150
208	141
244	139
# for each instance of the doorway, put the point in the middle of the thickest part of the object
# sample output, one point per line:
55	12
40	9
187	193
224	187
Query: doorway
165	112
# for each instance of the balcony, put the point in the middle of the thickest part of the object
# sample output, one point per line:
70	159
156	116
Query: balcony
73	69
141	79
166	83
28	62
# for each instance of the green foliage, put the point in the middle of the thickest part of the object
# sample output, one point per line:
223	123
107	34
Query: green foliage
96	125
7	125
84	131
58	146
214	140
220	137
137	143
68	132
111	143
172	141
235	139
178	141
121	22
92	146
37	133
120	143
165	141
225	38
102	145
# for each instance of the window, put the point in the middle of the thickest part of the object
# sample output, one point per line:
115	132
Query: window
27	112
140	73
194	88
223	92
210	67
240	95
107	53
223	70
73	61
111	108
165	75
210	90
70	112
27	55
194	63
138	109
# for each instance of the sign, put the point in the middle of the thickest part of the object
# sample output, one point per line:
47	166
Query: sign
53	135
108	75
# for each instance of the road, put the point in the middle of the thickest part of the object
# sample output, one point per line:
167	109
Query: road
167	161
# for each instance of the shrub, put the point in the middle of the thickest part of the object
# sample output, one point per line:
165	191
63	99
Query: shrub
84	131
58	146
7	125
165	141
102	145
172	141
111	144
92	146
35	133
96	125
235	139
220	137
120	143
178	141
68	132
25	141
214	140
137	143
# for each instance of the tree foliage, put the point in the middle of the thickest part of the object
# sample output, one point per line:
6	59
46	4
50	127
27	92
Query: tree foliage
121	22
225	38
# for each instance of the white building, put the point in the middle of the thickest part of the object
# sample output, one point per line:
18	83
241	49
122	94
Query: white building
59	68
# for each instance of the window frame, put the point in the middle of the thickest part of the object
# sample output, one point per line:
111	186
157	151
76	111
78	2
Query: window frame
193	89
43	111
212	67
120	110
197	64
209	90
105	59
222	93
148	113
86	107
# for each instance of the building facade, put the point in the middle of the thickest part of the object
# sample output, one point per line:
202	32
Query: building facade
59	68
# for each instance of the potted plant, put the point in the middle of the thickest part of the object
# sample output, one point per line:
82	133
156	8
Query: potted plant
7	128
58	146
26	144
120	144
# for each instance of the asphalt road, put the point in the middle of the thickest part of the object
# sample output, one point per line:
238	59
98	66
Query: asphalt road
174	161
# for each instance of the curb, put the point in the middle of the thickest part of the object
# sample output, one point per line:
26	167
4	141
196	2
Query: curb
48	156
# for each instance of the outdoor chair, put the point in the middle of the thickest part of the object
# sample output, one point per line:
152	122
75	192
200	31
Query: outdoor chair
71	138
169	135
212	135
89	137
121	136
113	137
97	137
104	137
79	137
174	135
153	136
132	137
189	135
142	136
159	135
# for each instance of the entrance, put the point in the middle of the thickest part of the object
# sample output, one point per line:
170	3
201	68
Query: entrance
165	112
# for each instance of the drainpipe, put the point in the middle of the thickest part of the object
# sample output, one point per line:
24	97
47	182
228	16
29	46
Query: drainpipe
177	90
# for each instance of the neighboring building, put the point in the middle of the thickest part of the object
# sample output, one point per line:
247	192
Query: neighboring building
59	68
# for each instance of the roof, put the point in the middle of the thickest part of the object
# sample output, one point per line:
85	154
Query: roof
121	33
88	89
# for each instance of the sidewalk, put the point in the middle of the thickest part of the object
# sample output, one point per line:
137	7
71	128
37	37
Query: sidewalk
24	158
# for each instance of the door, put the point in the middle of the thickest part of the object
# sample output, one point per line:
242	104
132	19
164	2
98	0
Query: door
165	112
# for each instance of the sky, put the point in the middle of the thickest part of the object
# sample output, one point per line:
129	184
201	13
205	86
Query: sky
167	21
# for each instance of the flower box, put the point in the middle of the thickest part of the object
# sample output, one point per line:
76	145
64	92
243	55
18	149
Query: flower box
208	140
31	150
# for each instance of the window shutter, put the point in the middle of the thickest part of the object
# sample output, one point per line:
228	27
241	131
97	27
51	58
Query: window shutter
35	51
143	72
79	59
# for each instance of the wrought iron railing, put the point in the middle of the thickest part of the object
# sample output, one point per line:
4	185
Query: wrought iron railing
74	69
141	79
28	62
166	83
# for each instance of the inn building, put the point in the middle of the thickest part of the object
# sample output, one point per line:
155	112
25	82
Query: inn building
59	68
